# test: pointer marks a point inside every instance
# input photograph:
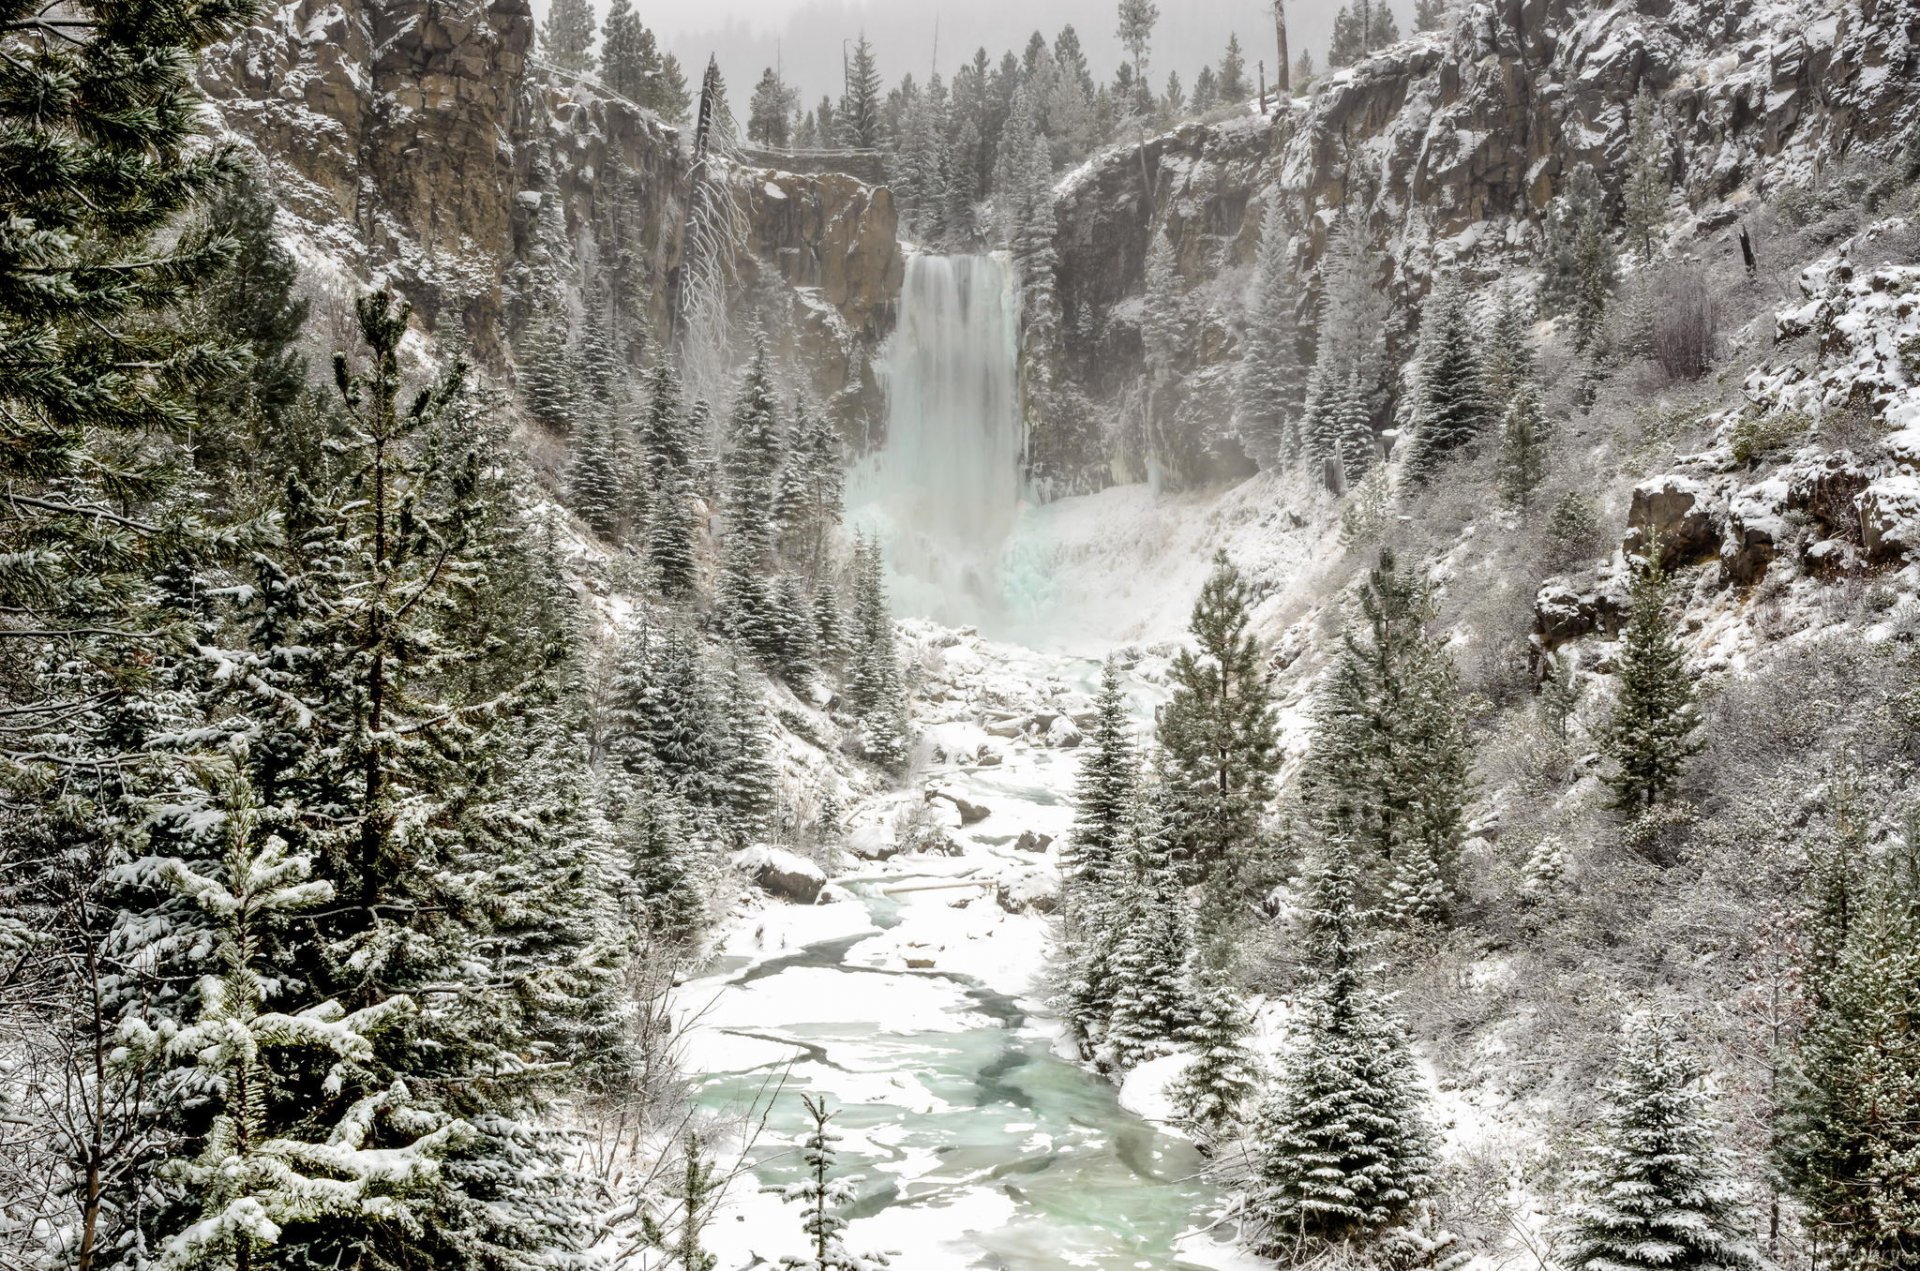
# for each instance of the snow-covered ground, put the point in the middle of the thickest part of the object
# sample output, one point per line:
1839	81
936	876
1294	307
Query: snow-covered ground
912	999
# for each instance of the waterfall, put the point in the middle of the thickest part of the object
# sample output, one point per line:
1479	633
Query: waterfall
945	492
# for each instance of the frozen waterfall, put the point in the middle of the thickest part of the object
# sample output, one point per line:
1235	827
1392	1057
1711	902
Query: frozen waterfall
946	490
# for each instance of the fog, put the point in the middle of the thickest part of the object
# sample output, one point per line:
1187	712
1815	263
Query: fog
805	37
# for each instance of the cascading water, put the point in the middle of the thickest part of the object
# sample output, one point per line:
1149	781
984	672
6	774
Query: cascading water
946	490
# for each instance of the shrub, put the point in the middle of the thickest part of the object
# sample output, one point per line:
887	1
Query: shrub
1685	326
1756	436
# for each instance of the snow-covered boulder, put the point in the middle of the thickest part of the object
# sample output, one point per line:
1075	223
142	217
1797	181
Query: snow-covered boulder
1681	512
1561	614
1756	527
970	813
1890	518
1029	841
873	841
781	873
1063	732
1034	889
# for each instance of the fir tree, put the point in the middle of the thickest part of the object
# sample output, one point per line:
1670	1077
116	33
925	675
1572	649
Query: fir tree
1429	15
549	376
1218	733
1234	88
1269	400
811	490
875	692
1450	411
1163	326
680	1233
1647	187
1388	772
794	641
1206	91
566	37
1108	779
668	93
1561	689
829	627
1341	1146
770	112
1349	41
1657	1191
743	599
1151	995
857	122
1214	1093
1508	364
1849	1142
667	444
1654	729
818	1194
656	839
746	774
593	479
629	54
1525	438
752	458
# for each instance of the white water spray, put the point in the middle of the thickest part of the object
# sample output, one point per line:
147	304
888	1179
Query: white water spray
946	490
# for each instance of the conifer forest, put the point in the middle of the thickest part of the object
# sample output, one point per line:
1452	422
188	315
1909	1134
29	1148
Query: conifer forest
1212	635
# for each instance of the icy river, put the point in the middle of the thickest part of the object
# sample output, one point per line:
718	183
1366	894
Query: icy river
914	1002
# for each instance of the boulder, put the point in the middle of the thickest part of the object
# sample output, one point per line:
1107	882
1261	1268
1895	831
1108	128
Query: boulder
1681	513
970	813
1034	890
1029	841
1755	530
1561	614
1063	732
1828	489
1890	518
781	873
873	841
1007	726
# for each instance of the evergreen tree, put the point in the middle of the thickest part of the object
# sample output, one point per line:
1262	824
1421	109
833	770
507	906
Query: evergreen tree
770	112
1525	437
752	458
818	1193
680	1232
1647	187
1383	29
1206	91
1218	732
667	445
1429	15
857	122
662	862
1108	780
1234	87
1269	398
549	377
1341	1146
1151	996
566	37
1580	267
1657	1191
1349	41
743	599
876	694
1215	1092
593	480
668	95
1849	1141
1450	411
1349	359
1508	364
1389	769
829	628
1654	729
794	641
812	490
1173	103
1163	325
746	775
1561	689
629	54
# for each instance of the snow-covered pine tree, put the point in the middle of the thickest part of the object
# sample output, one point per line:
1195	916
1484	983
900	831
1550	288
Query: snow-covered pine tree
1526	435
1152	992
812	490
566	37
1206	91
680	1232
1163	323
667	444
1267	418
1218	738
819	1193
1851	1136
1648	186
1349	41
748	783
1507	362
248	1183
603	371
1341	1146
1234	87
1349	361
1450	408
1429	15
857	121
668	95
1215	1092
1107	784
795	651
770	112
876	694
1655	726
752	459
743	598
549	376
629	54
594	487
1657	1192
830	645
1388	773
1561	688
655	837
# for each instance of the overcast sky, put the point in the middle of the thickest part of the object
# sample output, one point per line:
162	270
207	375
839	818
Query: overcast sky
806	35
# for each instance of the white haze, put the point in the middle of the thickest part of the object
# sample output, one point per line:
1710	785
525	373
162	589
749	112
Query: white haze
805	37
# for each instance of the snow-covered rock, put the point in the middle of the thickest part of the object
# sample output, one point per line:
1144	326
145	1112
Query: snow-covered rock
1890	517
1681	512
782	873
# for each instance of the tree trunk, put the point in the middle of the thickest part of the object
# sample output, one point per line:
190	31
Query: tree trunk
1283	79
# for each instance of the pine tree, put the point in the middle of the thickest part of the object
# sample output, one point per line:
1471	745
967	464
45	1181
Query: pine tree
566	37
1388	772
629	54
1450	411
1206	91
746	773
549	376
668	95
1647	187
655	837
1234	88
667	443
1349	360
1151	995
875	693
1214	1093
811	491
743	599
752	457
1108	779
829	628
1657	1192
593	479
1218	733
1526	436
1349	41
857	122
249	1184
681	1232
1654	729
1507	365
1429	15
1341	1146
770	112
819	1193
1269	398
1383	29
794	642
1163	325
1849	1142
1561	689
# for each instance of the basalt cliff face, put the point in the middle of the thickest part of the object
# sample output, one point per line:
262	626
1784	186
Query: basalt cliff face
1455	143
418	141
